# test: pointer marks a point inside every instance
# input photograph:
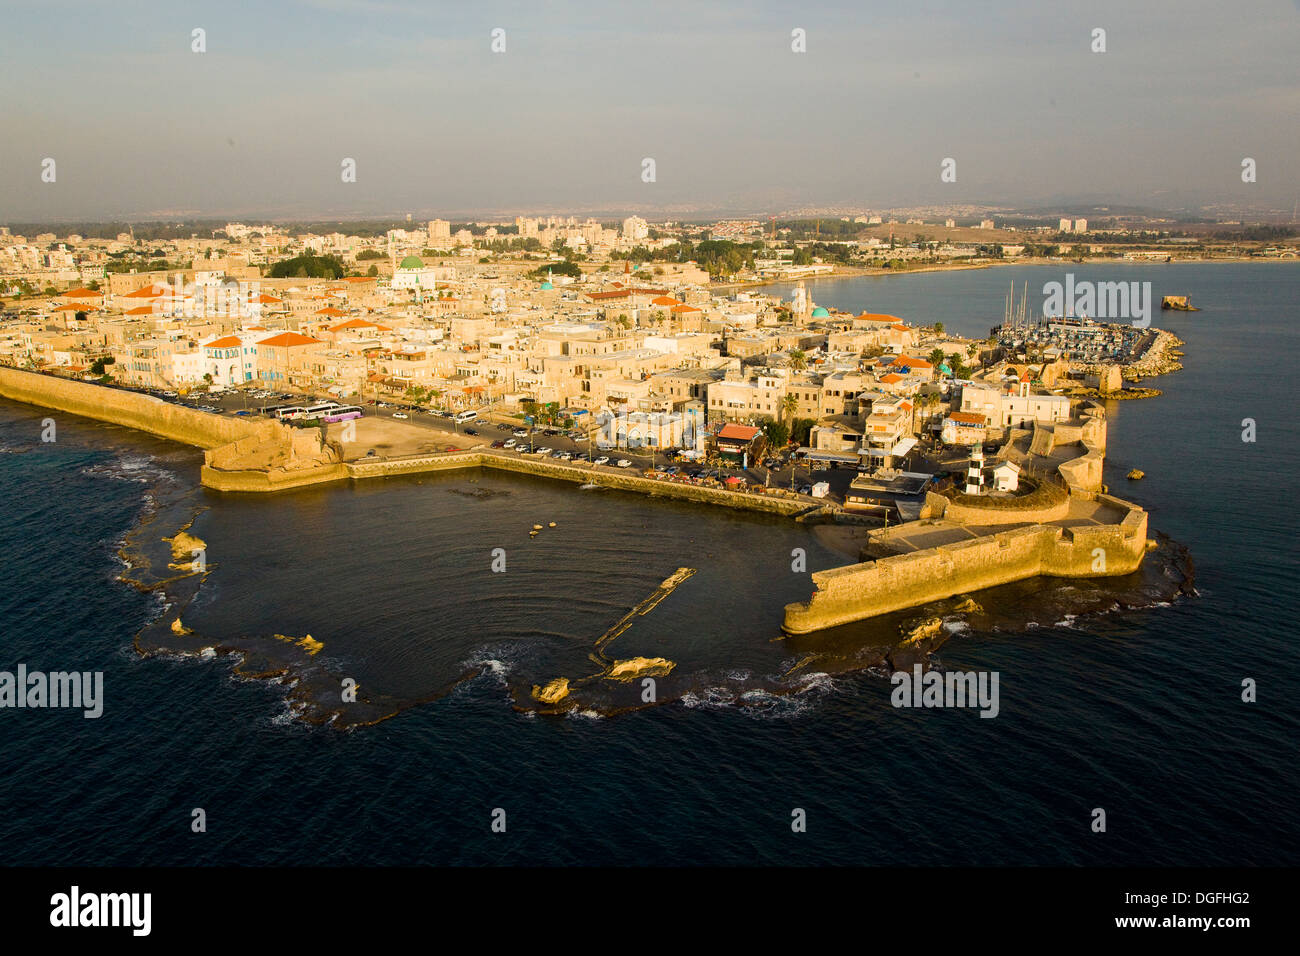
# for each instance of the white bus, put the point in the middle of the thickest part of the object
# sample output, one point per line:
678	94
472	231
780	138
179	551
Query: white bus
318	411
463	417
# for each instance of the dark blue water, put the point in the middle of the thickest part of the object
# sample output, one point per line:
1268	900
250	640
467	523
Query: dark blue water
1136	712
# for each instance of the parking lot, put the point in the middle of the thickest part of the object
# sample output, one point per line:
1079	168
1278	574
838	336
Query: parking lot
389	429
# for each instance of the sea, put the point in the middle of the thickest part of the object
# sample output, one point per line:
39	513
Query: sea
1168	701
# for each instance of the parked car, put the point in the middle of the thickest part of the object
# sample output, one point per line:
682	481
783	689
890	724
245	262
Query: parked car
565	456
602	460
624	463
471	431
498	444
520	433
400	415
509	443
543	451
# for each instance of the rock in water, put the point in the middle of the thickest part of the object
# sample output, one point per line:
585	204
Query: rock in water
552	693
919	631
635	667
1135	475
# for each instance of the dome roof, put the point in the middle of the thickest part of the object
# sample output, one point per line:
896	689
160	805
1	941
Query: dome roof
819	313
547	287
945	369
411	262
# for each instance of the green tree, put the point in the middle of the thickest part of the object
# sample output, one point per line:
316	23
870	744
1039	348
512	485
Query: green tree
308	266
776	432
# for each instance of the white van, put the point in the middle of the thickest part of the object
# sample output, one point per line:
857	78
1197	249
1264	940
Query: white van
463	417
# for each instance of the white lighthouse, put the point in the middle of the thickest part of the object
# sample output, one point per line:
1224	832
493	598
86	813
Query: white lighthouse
974	476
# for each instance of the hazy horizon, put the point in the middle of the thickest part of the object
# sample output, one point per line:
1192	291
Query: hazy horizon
439	125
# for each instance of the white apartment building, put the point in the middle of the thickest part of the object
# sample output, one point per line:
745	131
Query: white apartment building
1013	406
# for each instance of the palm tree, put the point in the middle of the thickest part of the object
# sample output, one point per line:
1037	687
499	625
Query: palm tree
798	361
789	405
936	357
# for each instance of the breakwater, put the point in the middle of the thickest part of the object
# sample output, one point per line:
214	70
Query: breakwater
189	426
858	591
418	464
240	454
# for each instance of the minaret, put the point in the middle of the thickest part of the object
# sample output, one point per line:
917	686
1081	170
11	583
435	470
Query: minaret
799	307
973	471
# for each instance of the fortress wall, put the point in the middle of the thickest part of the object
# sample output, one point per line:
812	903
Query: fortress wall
858	591
1084	473
262	481
975	515
132	409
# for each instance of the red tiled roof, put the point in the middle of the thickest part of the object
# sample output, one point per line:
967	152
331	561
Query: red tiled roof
967	418
910	362
286	339
225	342
738	432
81	293
147	292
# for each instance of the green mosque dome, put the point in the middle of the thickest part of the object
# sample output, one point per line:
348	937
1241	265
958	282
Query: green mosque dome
820	313
547	287
411	262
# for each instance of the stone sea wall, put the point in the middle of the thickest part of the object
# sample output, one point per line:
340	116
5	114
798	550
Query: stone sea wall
241	454
376	468
188	426
858	591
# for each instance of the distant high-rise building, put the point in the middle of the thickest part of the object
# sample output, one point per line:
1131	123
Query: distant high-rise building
1080	225
439	231
527	227
986	223
634	228
1064	225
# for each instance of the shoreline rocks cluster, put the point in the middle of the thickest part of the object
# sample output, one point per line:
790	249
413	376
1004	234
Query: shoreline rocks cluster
1160	359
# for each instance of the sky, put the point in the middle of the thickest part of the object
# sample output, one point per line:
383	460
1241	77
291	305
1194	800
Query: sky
139	126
